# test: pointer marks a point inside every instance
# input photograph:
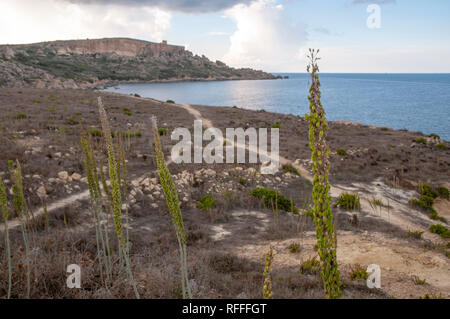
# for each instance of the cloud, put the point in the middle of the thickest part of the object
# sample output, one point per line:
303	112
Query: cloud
172	5
265	38
55	20
373	1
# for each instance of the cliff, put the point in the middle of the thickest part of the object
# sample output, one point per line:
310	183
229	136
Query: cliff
90	63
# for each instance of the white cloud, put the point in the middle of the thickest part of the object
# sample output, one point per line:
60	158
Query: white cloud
25	21
217	33
265	38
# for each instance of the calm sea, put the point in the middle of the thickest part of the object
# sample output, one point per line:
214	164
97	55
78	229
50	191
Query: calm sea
418	102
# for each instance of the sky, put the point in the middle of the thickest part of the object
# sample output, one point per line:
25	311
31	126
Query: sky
354	36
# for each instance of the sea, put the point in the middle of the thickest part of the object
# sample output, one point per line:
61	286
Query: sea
416	102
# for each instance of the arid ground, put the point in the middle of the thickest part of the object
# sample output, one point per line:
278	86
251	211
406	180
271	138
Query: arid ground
226	244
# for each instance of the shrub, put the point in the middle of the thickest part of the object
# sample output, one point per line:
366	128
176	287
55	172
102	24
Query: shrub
272	198
288	168
358	273
432	135
242	181
440	230
136	95
206	202
434	216
127	111
20	116
426	190
418	281
421	140
417	234
36	101
432	296
276	124
170	101
162	132
440	146
294	248
310	266
341	152
71	121
95	132
348	201
443	192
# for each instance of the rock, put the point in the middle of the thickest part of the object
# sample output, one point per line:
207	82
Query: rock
63	175
41	192
154	205
84	180
36	177
135	183
76	177
58	154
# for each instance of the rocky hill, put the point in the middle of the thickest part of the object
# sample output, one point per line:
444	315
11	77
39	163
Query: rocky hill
98	62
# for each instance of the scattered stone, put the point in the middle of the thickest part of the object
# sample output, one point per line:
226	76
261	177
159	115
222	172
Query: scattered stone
76	177
41	192
63	175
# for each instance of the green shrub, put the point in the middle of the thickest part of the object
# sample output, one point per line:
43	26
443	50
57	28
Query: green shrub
443	192
440	230
434	216
127	111
71	121
95	132
341	152
432	135
417	234
358	273
418	281
272	199
242	181
310	266
162	132
136	95
440	146
276	124
288	168
294	248
36	101
348	201
206	202
421	140
426	190
20	116
170	101
432	296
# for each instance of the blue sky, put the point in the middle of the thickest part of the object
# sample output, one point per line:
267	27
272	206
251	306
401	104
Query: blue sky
273	35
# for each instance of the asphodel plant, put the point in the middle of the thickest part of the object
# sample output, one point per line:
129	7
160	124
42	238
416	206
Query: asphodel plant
116	194
5	214
323	216
173	203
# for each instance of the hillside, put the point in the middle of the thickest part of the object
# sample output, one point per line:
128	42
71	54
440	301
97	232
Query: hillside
91	63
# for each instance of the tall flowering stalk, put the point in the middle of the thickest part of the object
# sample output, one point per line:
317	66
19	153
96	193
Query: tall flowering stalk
267	289
323	216
95	194
20	209
5	214
173	203
116	194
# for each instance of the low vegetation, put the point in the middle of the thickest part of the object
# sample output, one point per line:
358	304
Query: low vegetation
440	230
348	201
274	200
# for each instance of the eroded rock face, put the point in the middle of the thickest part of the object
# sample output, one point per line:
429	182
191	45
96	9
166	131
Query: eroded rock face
99	62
